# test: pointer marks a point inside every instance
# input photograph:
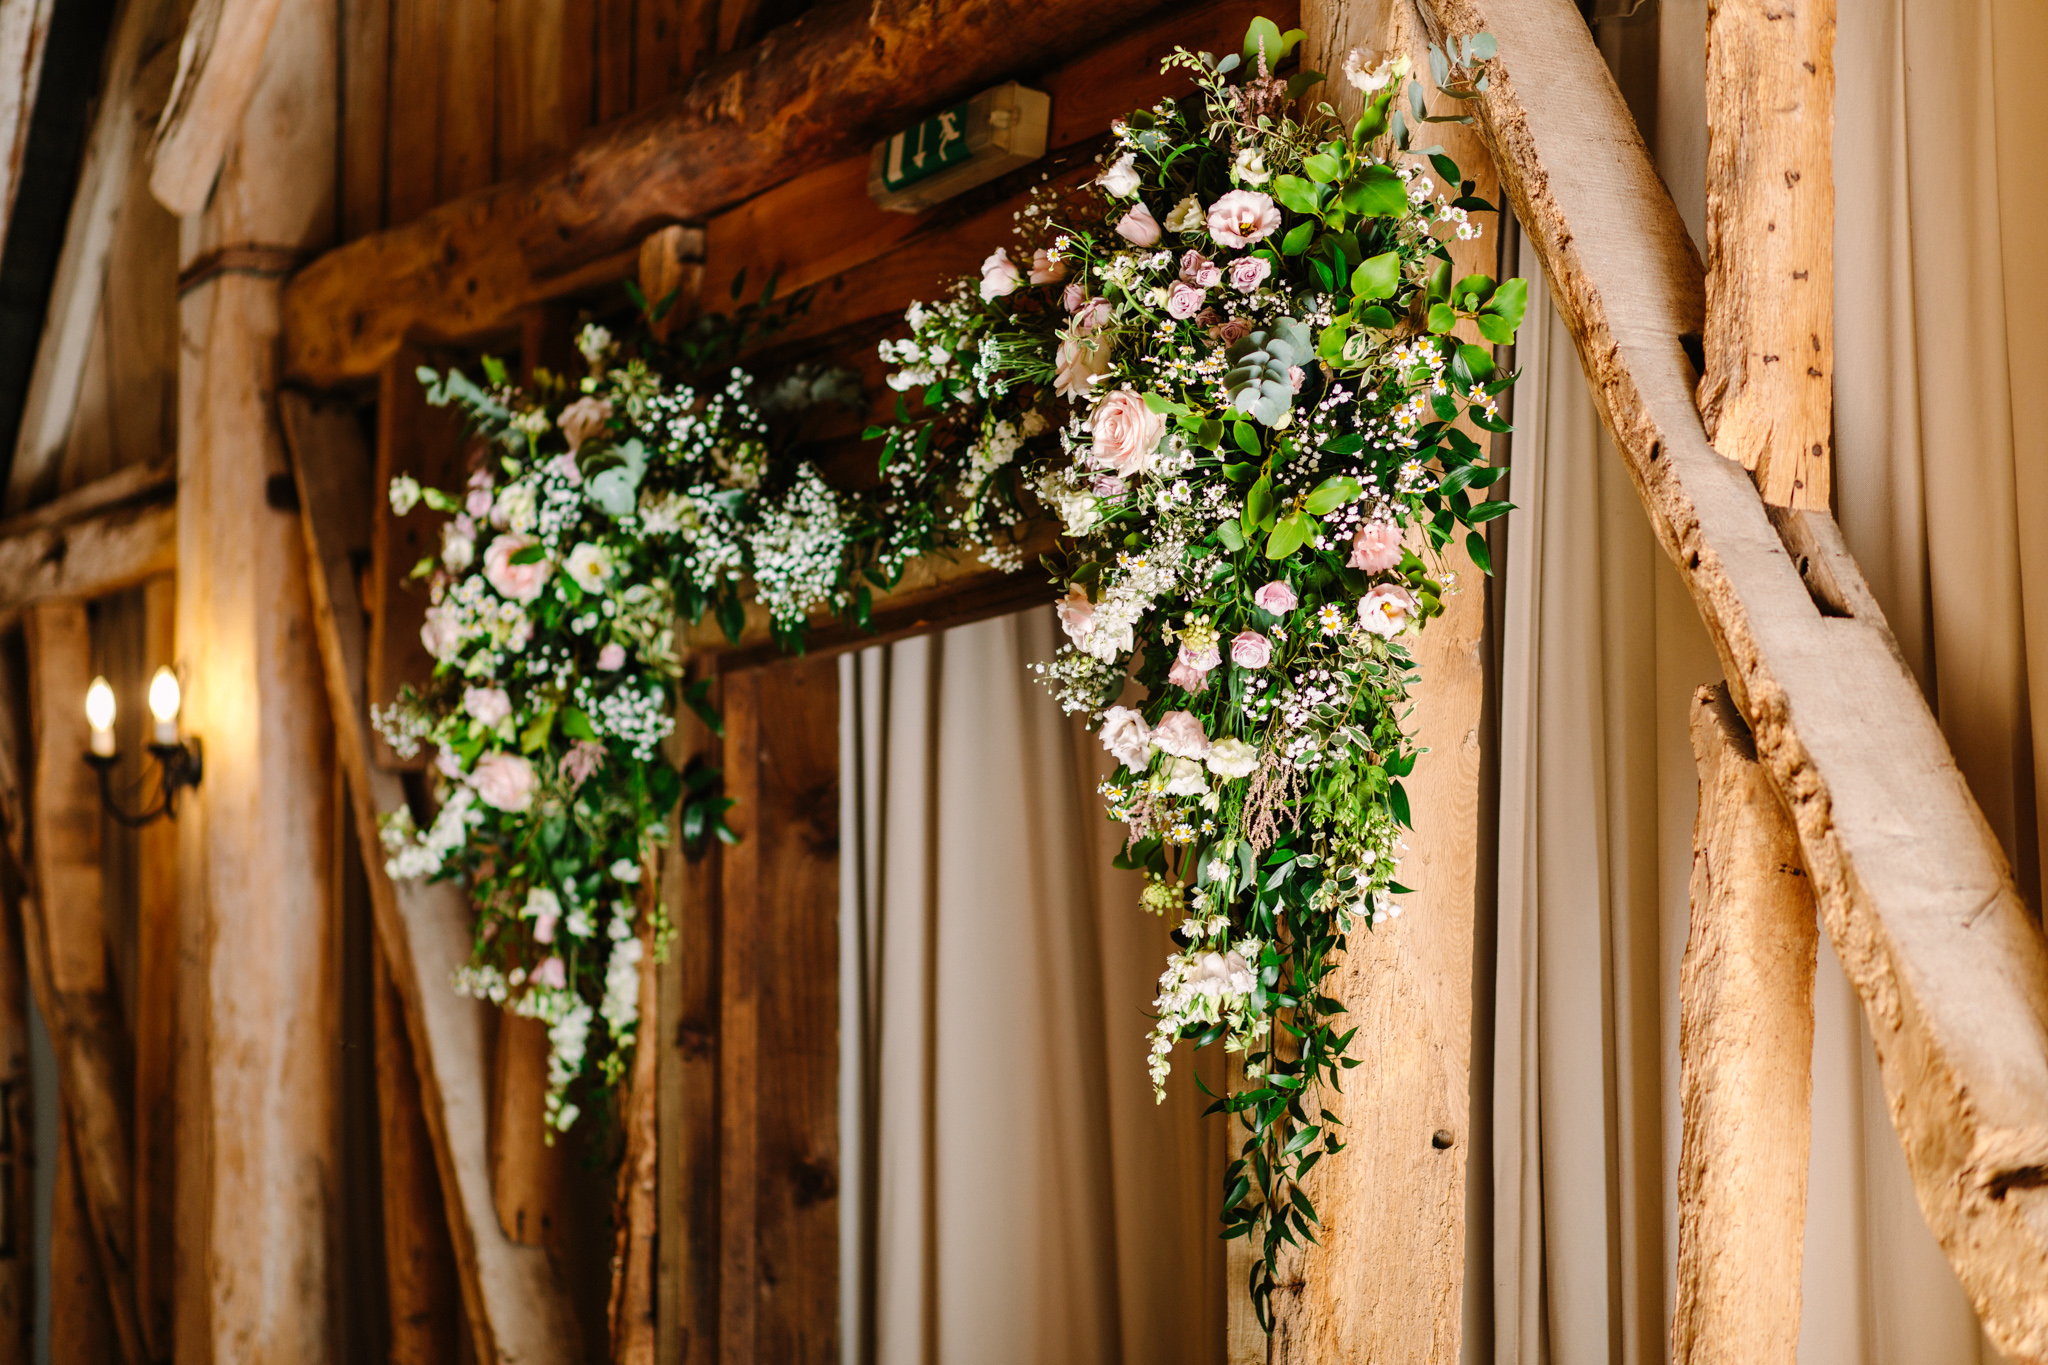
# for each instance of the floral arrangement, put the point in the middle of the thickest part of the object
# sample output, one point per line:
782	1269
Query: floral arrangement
1228	364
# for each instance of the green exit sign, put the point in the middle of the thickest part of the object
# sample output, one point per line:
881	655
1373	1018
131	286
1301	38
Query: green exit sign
958	148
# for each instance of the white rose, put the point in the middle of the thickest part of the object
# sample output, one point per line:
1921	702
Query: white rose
1121	179
1233	758
590	566
1125	734
1184	778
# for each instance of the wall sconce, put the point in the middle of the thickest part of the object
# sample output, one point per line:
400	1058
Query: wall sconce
178	761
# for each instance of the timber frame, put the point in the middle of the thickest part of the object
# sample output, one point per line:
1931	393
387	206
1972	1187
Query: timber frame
1910	883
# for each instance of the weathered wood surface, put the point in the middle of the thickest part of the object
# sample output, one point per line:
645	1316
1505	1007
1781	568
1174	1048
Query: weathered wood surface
24	29
814	90
65	939
1768	395
133	88
636	1212
1745	1044
515	1303
89	558
526	1166
155	1025
419	1262
218	62
81	1329
1913	889
18	1153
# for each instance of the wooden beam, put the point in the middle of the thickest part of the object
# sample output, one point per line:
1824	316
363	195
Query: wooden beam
516	1305
814	90
1914	891
1768	395
81	1329
218	63
419	1262
66	952
89	558
636	1212
24	30
526	1163
75	293
1745	1044
155	1027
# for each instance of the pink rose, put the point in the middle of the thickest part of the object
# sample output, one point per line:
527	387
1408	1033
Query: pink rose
1077	615
611	657
1199	271
584	419
551	973
1091	316
1077	364
1047	268
585	757
519	582
488	705
1277	598
1251	650
1073	296
1249	272
1187	678
1377	547
1125	735
1106	486
1139	227
1182	300
1242	217
999	275
1180	734
1223	333
504	781
479	501
1386	610
1126	433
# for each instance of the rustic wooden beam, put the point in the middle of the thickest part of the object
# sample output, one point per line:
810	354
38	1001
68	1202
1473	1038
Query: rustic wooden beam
89	558
66	952
1767	397
218	62
526	1164
24	30
818	88
17	1140
419	1263
516	1305
81	1329
1745	1045
75	293
155	1026
1913	889
636	1212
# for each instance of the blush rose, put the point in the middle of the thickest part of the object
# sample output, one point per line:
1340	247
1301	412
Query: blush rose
504	781
1126	433
519	582
1376	547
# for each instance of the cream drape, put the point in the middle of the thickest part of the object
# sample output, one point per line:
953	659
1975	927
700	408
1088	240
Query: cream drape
1940	475
1011	1193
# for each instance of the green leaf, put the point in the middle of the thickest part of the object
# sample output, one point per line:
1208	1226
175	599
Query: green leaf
1484	45
1438	282
1230	535
1289	534
1445	167
1496	329
576	725
537	733
1247	437
1378	278
1325	169
1162	404
1475	545
1330	345
1263	37
1258	506
1376	317
1487	511
1482	285
1441	318
1295	193
532	554
1377	192
1239	473
1478	360
1297	239
1397	800
1331	494
1509	303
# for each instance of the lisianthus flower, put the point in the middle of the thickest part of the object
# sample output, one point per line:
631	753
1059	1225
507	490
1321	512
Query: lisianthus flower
1138	226
1077	614
517	582
1242	217
1186	215
1387	609
999	275
488	705
1125	734
1180	733
1232	758
590	566
583	419
1046	268
1121	177
504	781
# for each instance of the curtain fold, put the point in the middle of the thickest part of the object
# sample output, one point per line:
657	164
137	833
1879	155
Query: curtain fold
1013	1193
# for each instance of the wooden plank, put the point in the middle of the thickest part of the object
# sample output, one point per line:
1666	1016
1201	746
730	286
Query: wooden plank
1745	1043
82	266
468	92
366	125
635	1214
81	1329
1914	891
513	1300
155	1027
141	321
65	936
534	61
418	40
815	91
614	59
24	30
419	1263
134	484
1768	395
739	1028
87	558
526	1165
416	438
218	64
658	48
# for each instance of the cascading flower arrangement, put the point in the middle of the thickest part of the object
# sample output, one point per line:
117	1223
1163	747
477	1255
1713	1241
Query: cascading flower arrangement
1229	366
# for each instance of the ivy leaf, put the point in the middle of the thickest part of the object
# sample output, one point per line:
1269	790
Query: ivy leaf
1331	494
1296	241
1378	278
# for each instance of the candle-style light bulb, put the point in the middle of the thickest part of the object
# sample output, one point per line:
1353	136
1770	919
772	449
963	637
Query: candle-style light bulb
164	699
99	713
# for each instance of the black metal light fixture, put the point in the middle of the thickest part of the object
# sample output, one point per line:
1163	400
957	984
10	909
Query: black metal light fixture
178	761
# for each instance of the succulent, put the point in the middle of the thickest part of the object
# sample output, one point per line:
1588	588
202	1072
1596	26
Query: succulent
1260	379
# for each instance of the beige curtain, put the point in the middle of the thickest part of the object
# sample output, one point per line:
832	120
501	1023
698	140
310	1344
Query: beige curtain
1012	1194
1942	211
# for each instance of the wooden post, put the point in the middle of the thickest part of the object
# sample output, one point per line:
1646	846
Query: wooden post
218	63
526	1169
17	1145
1767	396
419	1264
1745	1044
156	1026
636	1212
81	1329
